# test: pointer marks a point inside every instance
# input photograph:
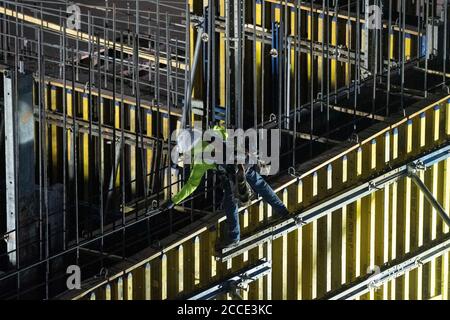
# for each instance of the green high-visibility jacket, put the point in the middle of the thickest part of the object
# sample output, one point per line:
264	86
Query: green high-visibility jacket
198	169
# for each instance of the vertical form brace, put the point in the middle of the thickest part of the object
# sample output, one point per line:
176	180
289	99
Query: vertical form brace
11	174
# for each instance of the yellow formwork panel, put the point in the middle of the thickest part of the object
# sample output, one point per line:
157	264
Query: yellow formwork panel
129	287
408	46
279	262
391	46
320	35
337	248
147	281
85	139
277	13
108	292
258	56
132	165
54	133
149	152
119	288
333	70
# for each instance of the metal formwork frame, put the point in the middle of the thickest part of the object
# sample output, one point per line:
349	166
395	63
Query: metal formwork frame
283	252
135	133
338	201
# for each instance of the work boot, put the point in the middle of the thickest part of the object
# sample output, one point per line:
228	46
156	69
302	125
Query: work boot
228	244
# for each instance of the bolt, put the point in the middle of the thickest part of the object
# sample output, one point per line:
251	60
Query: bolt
205	37
273	53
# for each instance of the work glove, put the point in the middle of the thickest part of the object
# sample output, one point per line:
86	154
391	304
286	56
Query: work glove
167	205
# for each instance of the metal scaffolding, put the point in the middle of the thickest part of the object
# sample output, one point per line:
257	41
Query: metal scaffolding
93	90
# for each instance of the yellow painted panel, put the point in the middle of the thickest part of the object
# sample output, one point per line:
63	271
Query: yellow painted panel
133	151
310	37
447	117
436	122
130	286
348	42
392	46
320	35
423	122
180	269
222	60
85	112
333	71
408	46
120	289
108	292
164	276
196	261
277	13
147	281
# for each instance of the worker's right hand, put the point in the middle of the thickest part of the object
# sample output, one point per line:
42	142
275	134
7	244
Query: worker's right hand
167	205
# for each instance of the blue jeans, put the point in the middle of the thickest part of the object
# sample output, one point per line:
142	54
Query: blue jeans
259	186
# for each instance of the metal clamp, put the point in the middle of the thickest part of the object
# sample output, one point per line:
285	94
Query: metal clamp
299	221
374	285
414	167
246	280
419	262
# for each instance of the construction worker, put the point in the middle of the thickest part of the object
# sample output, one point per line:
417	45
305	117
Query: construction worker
231	176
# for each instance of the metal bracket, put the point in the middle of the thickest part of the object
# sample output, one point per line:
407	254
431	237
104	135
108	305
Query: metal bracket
415	166
372	186
299	221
